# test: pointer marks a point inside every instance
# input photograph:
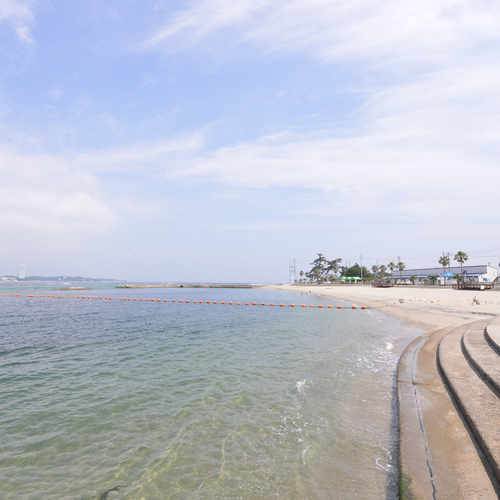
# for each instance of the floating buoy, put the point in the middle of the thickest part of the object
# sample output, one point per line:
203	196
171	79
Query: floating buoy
230	303
330	307
354	307
282	305
303	305
363	307
222	302
292	305
311	305
246	303
271	304
254	303
238	303
262	304
195	301
215	302
339	307
320	306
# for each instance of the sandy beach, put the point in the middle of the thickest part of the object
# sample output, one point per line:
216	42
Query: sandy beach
421	307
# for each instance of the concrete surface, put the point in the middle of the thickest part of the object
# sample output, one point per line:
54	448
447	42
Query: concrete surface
478	403
439	457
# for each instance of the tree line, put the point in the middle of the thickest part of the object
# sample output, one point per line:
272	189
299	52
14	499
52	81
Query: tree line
324	270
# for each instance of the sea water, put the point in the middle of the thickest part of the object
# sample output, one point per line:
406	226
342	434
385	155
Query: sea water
105	399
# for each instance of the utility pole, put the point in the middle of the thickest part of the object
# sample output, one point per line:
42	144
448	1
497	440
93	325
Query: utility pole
361	259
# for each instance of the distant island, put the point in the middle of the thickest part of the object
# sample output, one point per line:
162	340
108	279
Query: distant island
53	278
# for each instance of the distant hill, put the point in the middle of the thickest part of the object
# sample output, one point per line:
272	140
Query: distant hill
57	278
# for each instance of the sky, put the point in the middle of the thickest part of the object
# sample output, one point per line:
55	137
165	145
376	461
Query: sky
213	140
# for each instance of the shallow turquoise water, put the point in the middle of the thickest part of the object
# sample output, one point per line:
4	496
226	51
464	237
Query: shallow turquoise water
177	401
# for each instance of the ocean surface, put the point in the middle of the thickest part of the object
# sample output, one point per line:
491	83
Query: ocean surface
105	399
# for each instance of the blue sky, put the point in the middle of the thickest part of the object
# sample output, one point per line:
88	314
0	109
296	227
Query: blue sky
211	140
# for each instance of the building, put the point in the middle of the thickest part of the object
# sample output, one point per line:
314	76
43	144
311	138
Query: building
22	272
474	273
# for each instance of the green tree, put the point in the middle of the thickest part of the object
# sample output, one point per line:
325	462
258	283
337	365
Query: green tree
432	279
383	269
334	265
375	270
461	257
401	267
444	261
412	279
392	266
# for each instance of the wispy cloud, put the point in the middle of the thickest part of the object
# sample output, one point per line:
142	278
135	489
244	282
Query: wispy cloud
384	31
19	15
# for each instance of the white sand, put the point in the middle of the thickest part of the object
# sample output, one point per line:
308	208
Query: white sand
423	307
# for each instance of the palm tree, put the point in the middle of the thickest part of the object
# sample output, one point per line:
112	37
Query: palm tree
392	266
412	279
461	257
401	266
444	261
301	274
375	269
383	269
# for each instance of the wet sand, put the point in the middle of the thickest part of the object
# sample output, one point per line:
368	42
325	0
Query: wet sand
422	307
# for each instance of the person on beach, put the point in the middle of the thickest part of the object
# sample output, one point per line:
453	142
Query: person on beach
475	301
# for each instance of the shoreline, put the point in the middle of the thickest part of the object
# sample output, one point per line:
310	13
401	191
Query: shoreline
423	308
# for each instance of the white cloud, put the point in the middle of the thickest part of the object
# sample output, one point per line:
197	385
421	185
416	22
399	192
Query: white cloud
18	14
46	194
382	31
138	155
205	18
430	132
430	144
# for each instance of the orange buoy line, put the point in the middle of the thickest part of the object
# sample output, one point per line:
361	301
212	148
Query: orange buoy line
186	301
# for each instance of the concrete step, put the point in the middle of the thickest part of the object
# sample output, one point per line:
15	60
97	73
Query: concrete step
493	333
479	404
439	458
484	358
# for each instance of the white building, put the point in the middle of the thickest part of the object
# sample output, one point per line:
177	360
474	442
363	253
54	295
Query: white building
22	272
475	273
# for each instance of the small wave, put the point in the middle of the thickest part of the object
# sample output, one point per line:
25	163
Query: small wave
304	455
300	386
389	346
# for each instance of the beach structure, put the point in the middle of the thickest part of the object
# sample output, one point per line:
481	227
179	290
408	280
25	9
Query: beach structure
22	272
481	273
450	448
